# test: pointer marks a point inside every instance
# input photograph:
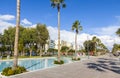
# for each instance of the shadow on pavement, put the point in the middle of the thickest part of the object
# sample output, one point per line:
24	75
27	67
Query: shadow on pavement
105	64
95	67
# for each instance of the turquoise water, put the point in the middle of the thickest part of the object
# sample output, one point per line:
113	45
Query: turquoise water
32	64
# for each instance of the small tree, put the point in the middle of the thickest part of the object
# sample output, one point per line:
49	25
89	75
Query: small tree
64	49
42	36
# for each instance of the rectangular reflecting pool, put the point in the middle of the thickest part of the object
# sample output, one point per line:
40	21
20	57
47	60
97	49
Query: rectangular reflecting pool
32	64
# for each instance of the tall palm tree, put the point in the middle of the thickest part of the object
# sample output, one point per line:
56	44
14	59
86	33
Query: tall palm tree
58	4
15	62
77	27
118	32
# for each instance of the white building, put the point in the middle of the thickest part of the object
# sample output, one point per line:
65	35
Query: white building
79	47
51	44
63	43
54	44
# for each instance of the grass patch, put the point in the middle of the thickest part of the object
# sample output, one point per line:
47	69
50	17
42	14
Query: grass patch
75	59
58	62
9	71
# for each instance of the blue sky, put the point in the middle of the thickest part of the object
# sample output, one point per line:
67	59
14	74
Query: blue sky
98	17
91	13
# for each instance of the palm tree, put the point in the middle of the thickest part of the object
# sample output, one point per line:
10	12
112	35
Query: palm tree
58	4
15	62
96	41
76	26
118	32
1	38
1	43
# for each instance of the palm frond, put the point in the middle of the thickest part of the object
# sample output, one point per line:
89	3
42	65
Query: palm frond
80	28
64	5
52	1
76	26
73	28
61	1
56	3
53	5
94	38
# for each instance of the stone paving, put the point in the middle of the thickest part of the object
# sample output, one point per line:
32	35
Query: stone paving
92	68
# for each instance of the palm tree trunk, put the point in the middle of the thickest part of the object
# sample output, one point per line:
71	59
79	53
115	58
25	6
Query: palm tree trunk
15	62
30	52
40	49
23	53
76	45
95	52
58	34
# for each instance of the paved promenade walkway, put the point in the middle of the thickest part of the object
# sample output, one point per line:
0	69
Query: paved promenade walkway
102	67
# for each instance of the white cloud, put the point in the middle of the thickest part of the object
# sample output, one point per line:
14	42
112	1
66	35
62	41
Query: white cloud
4	24
34	25
69	37
26	22
118	20
7	17
118	17
110	30
109	40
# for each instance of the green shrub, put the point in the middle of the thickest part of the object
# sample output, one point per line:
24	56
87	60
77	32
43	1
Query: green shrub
5	71
78	58
75	59
8	71
57	62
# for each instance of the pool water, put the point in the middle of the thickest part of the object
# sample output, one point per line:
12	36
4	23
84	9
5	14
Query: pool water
32	64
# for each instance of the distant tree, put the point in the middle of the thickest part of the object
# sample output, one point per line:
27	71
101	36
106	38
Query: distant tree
89	46
71	51
77	27
21	45
115	48
95	45
58	4
65	49
32	39
2	47
118	32
97	42
9	34
29	38
9	38
50	50
1	38
102	46
42	36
